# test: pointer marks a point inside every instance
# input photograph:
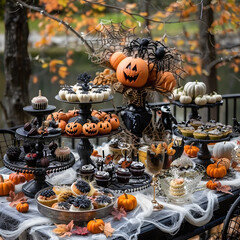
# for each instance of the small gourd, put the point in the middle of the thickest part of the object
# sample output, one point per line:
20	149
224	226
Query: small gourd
191	150
73	128
200	100
62	124
93	226
218	96
177	93
216	170
17	178
211	98
185	99
113	120
165	82
104	127
90	129
127	201
6	186
224	161
22	207
211	184
28	176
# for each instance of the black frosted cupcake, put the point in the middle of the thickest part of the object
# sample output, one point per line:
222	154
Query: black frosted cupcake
81	187
13	153
102	201
87	172
102	178
61	205
137	168
123	175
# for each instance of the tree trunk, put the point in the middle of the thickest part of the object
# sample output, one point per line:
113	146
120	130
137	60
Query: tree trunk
16	64
207	47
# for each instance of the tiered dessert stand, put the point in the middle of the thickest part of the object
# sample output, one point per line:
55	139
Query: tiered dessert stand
32	187
85	148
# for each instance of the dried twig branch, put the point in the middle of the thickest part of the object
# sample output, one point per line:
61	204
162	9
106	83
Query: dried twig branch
42	11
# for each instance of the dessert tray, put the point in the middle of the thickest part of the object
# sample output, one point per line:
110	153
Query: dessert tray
65	216
191	178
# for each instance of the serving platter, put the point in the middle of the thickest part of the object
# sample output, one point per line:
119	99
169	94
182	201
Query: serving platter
65	216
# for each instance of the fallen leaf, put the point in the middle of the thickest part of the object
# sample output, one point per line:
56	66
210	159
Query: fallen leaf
80	230
107	229
234	164
16	198
118	213
64	229
223	189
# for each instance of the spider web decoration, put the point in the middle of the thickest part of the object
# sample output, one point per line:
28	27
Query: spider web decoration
106	39
160	58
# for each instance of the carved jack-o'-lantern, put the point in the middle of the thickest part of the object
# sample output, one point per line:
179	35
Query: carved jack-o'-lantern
132	72
113	119
90	129
104	127
73	128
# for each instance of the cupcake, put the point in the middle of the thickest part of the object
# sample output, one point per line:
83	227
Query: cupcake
13	153
137	169
102	178
215	134
61	206
64	195
81	187
102	201
31	159
187	131
87	172
123	175
211	125
109	168
40	102
47	197
195	123
62	154
81	203
200	134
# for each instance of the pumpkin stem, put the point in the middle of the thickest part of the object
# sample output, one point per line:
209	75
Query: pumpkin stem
1	178
126	196
94	220
60	110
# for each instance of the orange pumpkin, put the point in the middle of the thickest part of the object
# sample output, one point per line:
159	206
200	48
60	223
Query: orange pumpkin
191	150
17	178
98	114
62	124
6	186
72	113
22	207
116	58
216	170
212	184
152	76
73	128
90	129
127	201
93	226
59	115
104	127
28	176
165	82
132	72
113	119
224	161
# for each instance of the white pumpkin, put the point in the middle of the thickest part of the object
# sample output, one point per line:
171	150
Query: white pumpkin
200	100
211	98
177	93
193	89
223	150
217	96
185	99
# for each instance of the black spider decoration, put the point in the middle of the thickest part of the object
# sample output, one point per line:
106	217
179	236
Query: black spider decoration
139	47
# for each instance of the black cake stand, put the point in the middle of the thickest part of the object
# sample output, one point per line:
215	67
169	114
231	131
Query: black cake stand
85	148
203	156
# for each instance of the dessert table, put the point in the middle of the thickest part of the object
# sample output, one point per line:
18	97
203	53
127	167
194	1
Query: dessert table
204	210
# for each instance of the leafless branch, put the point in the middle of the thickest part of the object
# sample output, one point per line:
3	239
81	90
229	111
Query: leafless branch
42	11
